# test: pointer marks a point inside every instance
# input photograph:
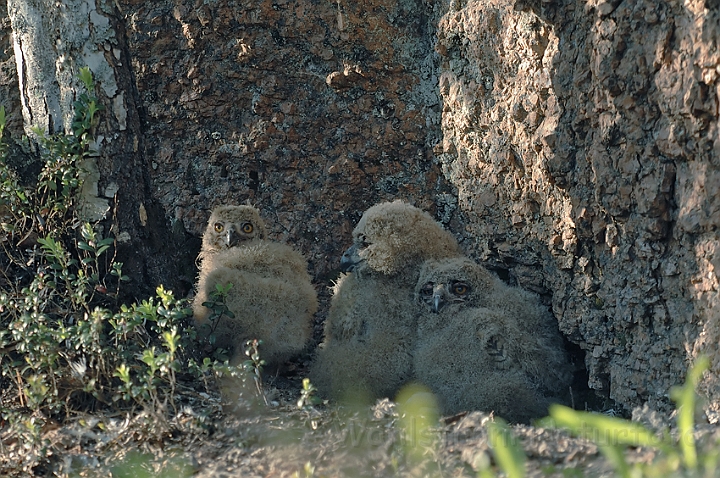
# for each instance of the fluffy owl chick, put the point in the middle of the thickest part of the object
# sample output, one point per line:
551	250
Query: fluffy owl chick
228	227
271	298
485	345
471	365
370	329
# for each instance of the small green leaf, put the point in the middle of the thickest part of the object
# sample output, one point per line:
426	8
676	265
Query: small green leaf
86	77
84	246
123	373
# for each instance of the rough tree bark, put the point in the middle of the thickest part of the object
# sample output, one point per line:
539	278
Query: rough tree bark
52	41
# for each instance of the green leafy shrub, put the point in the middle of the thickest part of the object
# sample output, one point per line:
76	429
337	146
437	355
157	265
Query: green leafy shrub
65	344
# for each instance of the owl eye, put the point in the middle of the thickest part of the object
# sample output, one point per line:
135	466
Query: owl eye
219	227
247	228
460	288
427	289
364	244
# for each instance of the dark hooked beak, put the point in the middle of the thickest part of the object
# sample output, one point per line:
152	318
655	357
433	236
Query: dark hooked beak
232	238
349	259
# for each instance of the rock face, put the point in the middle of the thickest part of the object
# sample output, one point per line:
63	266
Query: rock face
572	146
583	141
311	110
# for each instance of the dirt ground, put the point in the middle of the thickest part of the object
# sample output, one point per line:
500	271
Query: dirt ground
230	432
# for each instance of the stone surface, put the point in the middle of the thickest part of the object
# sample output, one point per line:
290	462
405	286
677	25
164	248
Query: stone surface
312	111
583	140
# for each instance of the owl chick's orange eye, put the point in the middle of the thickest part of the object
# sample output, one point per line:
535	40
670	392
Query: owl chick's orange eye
460	289
247	228
219	227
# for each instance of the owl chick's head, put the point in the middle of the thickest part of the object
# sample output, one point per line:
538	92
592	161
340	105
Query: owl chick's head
230	226
452	284
392	237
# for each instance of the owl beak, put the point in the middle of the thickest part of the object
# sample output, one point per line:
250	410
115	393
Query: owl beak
350	259
439	298
232	238
438	301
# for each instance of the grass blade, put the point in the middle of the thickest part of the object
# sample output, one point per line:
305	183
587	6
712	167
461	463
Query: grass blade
508	453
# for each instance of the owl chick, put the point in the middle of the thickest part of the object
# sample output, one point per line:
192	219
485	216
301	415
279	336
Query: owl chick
371	326
271	297
485	345
469	365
